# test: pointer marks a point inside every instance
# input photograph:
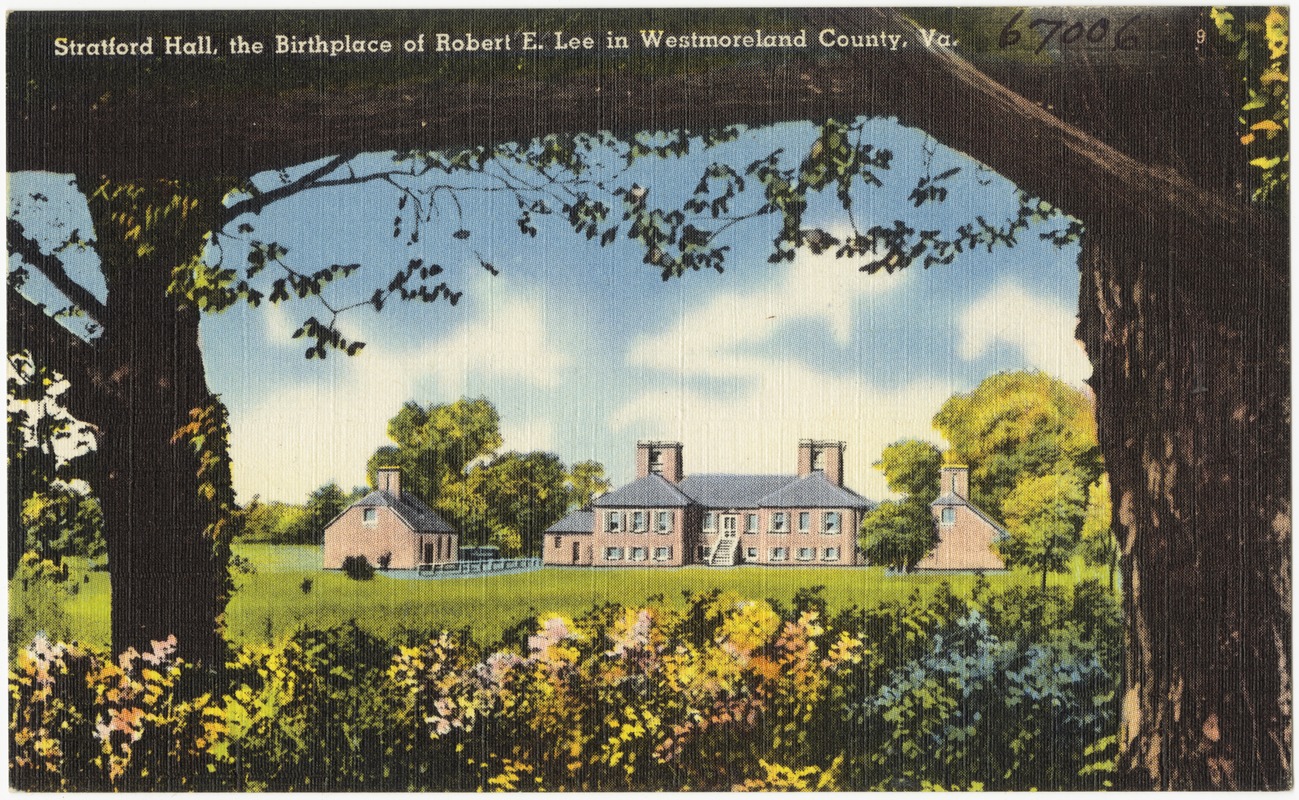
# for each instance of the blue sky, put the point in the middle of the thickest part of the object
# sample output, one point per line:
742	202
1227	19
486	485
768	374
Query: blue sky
585	349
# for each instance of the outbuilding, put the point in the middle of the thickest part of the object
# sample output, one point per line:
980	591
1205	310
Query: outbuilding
392	529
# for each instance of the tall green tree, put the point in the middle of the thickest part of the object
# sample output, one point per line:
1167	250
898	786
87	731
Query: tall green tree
1019	425
435	444
911	466
521	494
1044	516
323	505
586	481
898	533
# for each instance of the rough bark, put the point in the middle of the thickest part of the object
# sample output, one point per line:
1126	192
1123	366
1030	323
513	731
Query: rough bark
1194	424
165	574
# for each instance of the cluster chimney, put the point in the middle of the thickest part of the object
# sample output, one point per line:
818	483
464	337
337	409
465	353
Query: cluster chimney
659	458
825	457
388	479
955	480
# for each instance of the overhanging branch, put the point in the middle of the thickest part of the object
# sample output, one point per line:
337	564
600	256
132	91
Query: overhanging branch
255	204
30	328
52	268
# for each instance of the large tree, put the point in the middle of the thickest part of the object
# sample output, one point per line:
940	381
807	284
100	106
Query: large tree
1015	426
435	445
1184	297
1044	516
899	533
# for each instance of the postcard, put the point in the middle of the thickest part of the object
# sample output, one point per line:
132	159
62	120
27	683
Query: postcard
649	399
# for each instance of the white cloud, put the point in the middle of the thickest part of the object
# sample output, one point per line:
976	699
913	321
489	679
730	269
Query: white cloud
708	338
296	438
774	398
1039	327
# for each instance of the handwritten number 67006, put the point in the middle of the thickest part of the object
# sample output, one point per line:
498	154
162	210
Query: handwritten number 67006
1070	33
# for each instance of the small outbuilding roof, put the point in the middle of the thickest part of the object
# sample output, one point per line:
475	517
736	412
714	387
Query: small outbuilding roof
576	522
951	499
409	508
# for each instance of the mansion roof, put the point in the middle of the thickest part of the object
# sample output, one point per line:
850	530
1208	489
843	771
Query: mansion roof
734	491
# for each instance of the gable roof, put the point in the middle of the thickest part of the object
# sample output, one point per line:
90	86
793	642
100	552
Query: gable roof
576	522
732	491
814	491
409	509
951	499
651	490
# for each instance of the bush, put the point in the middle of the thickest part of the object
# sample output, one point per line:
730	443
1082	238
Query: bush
358	568
1006	691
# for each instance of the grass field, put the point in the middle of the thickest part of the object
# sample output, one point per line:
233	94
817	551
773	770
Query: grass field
272	602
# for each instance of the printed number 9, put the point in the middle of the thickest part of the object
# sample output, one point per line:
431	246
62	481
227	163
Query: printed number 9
1200	36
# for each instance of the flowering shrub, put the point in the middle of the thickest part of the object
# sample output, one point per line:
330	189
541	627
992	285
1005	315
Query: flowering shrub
79	721
728	693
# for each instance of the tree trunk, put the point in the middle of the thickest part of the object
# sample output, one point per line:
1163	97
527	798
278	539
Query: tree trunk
166	575
1191	378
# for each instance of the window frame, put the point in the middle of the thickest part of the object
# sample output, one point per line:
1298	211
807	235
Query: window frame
663	522
779	522
826	527
639	521
825	554
613	553
370	516
804	521
947	516
778	554
663	553
613	522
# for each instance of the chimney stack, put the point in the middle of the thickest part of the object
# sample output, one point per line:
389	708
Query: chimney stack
825	457
659	458
388	479
955	480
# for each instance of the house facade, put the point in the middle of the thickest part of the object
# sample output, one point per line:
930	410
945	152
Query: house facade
392	527
966	534
665	518
570	541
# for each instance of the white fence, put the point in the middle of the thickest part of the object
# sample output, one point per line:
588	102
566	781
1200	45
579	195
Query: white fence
480	567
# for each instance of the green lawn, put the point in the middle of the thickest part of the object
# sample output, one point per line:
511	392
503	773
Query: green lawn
271	602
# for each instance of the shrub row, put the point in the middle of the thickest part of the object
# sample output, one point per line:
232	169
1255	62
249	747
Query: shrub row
1010	690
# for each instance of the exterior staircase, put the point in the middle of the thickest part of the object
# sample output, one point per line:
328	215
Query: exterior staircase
726	553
